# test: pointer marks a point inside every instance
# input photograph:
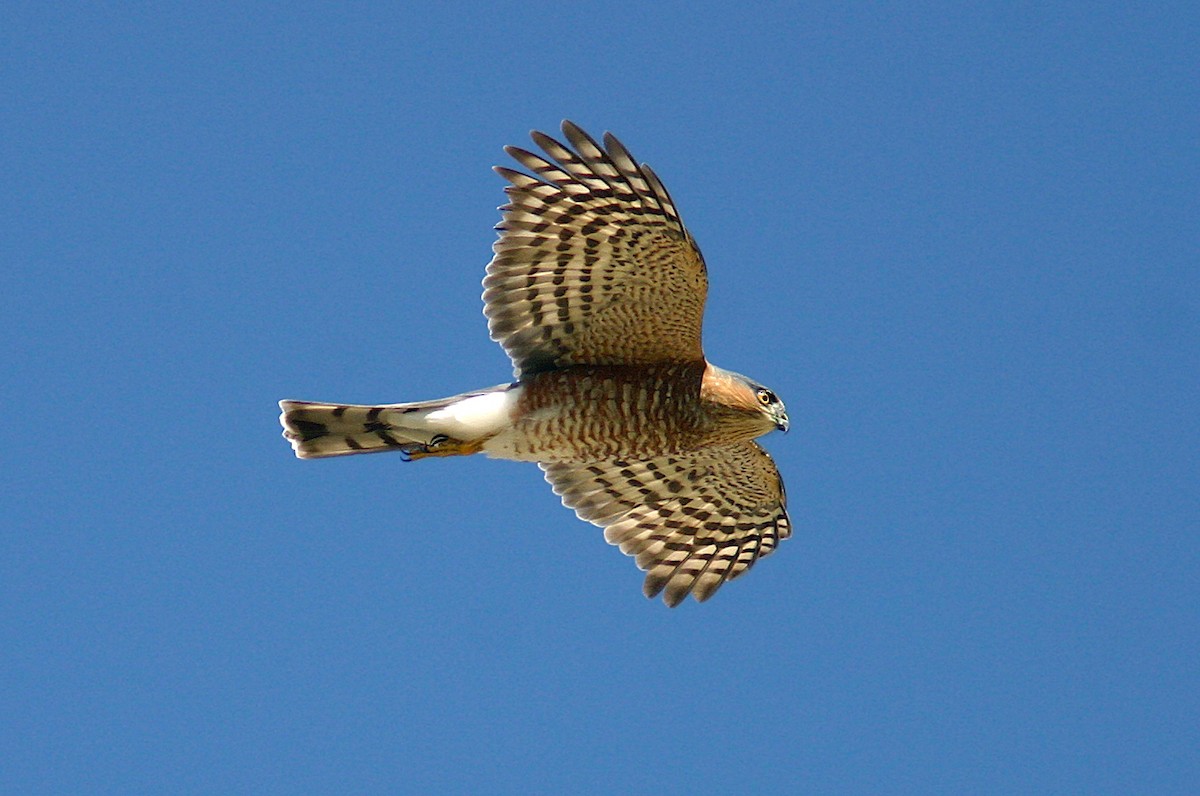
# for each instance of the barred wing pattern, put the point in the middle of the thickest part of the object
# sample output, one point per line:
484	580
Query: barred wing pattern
692	522
593	264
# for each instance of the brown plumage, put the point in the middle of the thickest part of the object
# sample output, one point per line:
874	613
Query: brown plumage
596	291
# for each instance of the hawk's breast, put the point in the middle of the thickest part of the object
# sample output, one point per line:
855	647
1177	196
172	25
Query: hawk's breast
591	413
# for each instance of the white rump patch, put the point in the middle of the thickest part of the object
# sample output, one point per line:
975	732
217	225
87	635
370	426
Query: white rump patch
476	416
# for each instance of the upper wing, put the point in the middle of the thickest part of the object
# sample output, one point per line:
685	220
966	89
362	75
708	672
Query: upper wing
693	521
593	265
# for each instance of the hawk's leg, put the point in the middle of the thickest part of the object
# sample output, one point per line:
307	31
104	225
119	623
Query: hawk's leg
439	445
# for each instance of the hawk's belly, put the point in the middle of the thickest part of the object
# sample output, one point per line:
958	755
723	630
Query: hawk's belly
586	414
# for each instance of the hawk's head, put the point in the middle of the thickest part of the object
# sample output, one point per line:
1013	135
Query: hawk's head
746	396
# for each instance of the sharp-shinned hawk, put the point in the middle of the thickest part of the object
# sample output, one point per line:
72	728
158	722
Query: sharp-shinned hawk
596	291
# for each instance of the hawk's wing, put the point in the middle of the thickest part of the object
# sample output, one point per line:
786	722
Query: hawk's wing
693	521
593	265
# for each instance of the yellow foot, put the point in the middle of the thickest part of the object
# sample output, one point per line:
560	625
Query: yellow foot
441	445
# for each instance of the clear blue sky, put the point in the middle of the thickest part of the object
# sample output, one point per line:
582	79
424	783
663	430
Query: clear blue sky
960	240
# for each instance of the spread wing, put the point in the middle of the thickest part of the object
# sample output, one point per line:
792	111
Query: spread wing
593	265
693	522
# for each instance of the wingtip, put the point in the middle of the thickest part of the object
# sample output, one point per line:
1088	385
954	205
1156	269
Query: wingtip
653	586
674	598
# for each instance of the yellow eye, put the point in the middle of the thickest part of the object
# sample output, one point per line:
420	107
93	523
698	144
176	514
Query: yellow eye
766	397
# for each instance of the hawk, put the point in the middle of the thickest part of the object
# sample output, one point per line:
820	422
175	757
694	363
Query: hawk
596	292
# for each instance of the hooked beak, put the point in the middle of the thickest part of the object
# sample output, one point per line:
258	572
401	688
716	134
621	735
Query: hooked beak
782	423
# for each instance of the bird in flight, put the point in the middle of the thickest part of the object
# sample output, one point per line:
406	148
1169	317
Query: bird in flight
596	292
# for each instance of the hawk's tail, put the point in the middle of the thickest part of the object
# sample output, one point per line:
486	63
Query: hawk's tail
319	430
447	426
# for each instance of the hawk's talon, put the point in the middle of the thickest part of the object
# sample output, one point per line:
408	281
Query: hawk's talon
438	445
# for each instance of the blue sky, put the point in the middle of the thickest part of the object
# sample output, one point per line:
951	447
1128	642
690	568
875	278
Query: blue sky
960	240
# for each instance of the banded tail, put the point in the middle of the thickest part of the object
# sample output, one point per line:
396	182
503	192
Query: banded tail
444	427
